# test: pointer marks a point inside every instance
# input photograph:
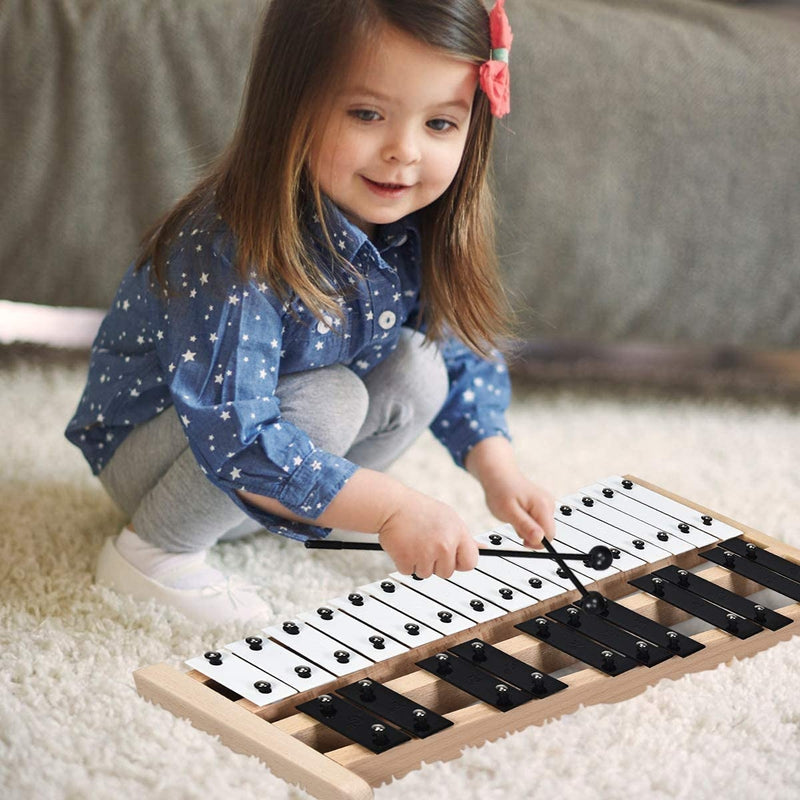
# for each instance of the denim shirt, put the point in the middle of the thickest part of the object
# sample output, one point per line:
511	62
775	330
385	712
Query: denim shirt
214	345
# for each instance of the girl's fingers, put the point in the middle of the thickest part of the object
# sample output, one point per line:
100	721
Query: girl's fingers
536	522
423	572
445	565
527	528
467	556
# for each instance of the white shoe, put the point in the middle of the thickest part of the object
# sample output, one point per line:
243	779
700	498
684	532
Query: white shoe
229	600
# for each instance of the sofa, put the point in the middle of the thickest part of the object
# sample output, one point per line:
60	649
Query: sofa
648	176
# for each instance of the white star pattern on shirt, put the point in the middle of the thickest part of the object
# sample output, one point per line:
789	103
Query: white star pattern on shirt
240	350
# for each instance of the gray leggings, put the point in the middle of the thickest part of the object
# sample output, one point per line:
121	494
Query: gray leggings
154	477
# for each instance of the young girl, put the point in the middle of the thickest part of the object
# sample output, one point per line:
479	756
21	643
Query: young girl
307	310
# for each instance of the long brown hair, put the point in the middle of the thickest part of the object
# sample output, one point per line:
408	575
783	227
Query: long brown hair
261	187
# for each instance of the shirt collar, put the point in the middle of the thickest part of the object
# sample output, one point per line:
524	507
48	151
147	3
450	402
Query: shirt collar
348	238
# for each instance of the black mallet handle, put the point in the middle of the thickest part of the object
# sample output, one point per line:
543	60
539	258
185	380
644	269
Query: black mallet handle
598	557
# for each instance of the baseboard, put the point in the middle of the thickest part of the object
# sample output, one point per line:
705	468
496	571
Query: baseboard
677	366
58	327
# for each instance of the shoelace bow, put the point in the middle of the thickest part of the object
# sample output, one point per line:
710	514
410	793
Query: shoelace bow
231	585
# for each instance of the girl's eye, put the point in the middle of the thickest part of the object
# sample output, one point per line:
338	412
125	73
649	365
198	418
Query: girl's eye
365	115
441	125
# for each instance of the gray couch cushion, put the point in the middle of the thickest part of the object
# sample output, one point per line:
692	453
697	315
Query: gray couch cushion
108	111
650	180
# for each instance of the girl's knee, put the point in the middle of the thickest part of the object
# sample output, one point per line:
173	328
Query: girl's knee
329	404
427	379
348	403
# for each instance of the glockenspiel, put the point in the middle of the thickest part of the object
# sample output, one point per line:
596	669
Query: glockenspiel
370	684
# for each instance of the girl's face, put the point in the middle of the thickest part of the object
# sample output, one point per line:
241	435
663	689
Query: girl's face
396	132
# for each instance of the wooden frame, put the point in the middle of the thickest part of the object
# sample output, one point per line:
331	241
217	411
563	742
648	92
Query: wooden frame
302	751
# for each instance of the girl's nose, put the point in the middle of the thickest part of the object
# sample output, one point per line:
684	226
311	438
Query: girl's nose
402	146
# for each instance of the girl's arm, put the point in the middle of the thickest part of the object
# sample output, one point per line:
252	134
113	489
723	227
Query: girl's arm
422	535
510	496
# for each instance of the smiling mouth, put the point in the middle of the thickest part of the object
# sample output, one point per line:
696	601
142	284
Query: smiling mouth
387	186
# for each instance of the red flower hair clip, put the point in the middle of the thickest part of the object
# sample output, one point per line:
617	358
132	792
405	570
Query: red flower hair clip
494	74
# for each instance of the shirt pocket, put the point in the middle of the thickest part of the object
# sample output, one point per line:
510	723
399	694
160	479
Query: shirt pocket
309	343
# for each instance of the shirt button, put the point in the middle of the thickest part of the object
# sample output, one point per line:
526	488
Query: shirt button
387	319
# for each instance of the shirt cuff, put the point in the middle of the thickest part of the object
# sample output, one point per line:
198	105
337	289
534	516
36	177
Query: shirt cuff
307	493
461	438
302	531
315	482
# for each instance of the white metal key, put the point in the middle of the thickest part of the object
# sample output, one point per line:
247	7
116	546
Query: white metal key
240	677
283	664
471	605
386	619
569	537
478	581
715	528
591	503
639	544
353	633
544	567
513	575
407	601
317	647
705	529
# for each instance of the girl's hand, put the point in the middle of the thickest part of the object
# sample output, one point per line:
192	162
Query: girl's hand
426	537
515	499
510	495
422	535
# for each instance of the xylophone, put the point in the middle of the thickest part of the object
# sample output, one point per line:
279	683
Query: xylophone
403	670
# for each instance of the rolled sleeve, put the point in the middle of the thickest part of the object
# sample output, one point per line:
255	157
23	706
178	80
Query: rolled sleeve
224	359
478	399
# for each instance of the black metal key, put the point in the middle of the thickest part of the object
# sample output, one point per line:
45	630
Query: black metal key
650	630
577	645
723	597
758	554
509	669
609	635
475	681
394	707
697	606
755	571
356	724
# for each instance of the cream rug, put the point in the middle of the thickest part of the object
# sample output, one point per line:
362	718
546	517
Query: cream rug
72	725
